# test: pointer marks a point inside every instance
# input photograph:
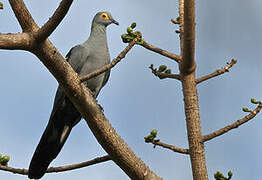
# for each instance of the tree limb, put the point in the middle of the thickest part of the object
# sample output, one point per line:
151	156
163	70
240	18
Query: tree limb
165	53
23	15
47	29
217	72
167	146
233	126
15	41
187	72
59	168
112	63
162	75
188	64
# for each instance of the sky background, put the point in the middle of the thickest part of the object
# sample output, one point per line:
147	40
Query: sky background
134	100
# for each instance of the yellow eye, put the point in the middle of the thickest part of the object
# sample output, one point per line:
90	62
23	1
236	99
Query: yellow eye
104	16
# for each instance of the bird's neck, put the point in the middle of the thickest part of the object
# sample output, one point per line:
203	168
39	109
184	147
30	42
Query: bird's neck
98	36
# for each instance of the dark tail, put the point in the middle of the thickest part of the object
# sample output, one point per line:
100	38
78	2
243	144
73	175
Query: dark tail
63	118
48	148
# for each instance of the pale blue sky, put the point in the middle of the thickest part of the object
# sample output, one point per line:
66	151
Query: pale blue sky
134	100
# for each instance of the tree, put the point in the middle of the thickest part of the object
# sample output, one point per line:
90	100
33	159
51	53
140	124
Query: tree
52	59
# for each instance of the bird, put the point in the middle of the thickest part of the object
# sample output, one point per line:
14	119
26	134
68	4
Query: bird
84	59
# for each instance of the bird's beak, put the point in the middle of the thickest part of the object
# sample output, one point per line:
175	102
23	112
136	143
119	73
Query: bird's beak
114	21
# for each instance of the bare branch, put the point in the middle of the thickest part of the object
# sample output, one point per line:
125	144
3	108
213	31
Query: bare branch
79	165
15	41
60	168
167	146
234	125
188	64
170	55
23	15
217	72
47	29
112	64
162	75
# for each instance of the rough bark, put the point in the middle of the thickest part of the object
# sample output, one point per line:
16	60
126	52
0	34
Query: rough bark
187	72
196	146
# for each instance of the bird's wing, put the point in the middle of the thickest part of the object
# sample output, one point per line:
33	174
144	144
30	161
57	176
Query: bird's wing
77	56
107	74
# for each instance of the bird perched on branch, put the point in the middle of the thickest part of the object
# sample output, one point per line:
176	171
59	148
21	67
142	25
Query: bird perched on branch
84	59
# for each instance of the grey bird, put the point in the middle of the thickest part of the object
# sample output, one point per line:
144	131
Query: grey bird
84	58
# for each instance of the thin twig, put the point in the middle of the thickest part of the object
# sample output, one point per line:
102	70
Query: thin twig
174	21
168	146
112	64
170	55
60	168
162	75
47	29
234	125
217	72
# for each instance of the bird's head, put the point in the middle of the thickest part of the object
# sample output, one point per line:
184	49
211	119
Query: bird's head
104	18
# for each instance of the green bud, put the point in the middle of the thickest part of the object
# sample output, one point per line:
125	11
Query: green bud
1	156
245	109
153	133
219	176
124	36
129	30
141	42
234	61
162	68
168	71
125	40
254	101
230	174
133	25
132	35
149	138
4	160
